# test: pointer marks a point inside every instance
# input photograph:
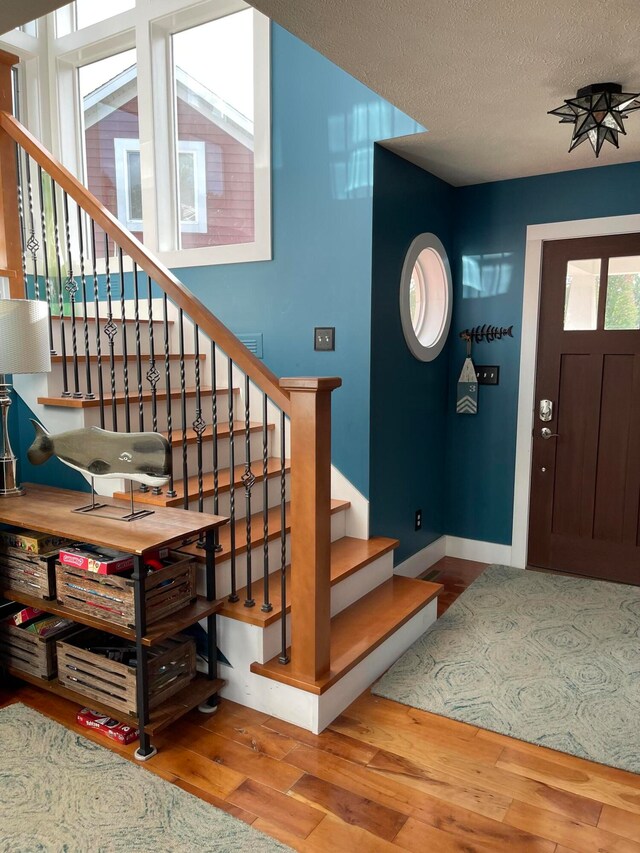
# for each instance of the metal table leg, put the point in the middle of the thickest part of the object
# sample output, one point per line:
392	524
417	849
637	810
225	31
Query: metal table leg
145	751
211	705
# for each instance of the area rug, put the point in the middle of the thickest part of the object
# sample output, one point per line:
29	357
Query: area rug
61	792
543	658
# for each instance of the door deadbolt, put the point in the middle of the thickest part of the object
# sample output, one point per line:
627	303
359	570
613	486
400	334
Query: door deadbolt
545	410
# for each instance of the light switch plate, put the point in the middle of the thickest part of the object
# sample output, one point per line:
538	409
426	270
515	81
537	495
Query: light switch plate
324	338
488	374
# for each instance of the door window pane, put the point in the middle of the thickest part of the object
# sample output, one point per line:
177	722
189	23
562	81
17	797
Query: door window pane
109	93
213	77
623	294
581	295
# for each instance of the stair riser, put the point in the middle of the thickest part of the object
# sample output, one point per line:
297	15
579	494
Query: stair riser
223	569
55	383
207	454
130	331
223	566
256	499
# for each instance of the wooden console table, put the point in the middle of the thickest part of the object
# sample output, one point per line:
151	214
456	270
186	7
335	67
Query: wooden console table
50	510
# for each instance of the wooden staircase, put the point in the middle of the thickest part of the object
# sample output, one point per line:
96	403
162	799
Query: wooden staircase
334	606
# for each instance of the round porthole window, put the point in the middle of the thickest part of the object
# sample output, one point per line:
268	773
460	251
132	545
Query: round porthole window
426	297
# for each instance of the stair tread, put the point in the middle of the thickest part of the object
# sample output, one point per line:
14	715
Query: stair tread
131	356
147	396
257	522
223	432
359	629
348	555
273	470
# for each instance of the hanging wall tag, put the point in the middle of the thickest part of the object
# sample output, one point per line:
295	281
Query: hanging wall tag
467	400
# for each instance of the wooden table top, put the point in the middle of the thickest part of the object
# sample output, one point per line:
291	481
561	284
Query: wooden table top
50	510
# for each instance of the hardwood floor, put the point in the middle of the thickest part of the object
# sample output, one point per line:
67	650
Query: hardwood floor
386	777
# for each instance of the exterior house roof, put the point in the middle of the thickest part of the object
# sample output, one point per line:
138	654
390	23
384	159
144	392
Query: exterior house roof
122	88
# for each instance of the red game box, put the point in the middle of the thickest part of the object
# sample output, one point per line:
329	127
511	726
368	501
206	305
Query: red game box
102	561
107	726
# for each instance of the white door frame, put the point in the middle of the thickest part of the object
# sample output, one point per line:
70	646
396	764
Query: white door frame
536	236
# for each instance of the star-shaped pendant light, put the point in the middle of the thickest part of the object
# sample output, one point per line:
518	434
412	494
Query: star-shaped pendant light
598	112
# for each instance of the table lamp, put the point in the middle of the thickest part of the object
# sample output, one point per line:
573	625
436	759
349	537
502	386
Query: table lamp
24	348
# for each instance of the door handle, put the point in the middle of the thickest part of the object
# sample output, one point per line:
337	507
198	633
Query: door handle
546	433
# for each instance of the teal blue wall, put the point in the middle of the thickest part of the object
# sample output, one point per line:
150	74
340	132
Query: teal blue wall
51	473
408	397
324	125
490	234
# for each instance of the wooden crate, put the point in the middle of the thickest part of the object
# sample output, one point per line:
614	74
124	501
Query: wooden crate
26	652
111	597
172	665
34	574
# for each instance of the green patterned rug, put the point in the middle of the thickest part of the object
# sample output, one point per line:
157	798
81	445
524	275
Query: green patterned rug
543	658
61	792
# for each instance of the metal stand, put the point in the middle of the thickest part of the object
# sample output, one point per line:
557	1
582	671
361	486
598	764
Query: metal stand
145	751
9	487
130	516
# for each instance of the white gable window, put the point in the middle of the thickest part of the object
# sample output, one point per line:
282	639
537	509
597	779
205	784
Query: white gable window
163	111
191	184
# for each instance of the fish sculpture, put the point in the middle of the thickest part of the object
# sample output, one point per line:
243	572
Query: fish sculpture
141	456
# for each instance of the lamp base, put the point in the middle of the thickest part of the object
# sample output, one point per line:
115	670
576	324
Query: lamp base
9	486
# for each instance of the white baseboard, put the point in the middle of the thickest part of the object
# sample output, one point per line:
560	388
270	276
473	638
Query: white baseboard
418	563
475	549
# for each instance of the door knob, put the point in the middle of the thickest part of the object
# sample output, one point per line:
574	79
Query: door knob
546	433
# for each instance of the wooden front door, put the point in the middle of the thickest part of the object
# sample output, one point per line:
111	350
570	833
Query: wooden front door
585	480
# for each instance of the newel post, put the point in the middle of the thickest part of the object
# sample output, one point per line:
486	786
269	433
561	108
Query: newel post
10	245
310	523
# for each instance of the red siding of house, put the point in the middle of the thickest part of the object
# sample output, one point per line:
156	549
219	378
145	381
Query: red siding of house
230	216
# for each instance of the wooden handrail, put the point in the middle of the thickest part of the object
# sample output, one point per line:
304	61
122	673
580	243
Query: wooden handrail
181	296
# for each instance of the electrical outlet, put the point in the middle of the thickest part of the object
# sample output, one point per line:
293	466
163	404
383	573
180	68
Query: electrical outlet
324	338
418	521
488	374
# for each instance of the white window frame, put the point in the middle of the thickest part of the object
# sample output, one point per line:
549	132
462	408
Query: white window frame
149	27
197	149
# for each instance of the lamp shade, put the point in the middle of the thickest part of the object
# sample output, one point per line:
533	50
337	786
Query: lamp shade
24	336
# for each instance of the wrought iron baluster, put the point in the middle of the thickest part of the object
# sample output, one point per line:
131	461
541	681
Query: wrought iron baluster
214	440
21	220
214	429
171	492
32	244
125	353
199	425
96	309
71	286
111	330
136	318
60	289
232	488
153	374
284	657
248	479
266	605
85	322
183	412
45	253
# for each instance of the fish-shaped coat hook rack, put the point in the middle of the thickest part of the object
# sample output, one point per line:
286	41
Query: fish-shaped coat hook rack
487	333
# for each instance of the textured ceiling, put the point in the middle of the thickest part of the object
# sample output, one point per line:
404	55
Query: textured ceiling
15	13
480	74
